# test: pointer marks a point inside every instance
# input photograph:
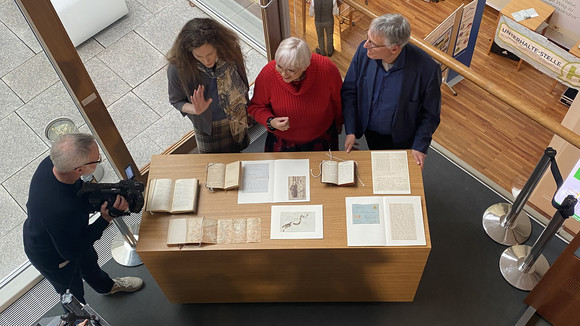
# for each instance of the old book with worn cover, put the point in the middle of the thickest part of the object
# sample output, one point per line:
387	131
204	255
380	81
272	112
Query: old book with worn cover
338	173
223	176
172	196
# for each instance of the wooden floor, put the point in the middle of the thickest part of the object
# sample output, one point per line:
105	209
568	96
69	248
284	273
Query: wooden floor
486	133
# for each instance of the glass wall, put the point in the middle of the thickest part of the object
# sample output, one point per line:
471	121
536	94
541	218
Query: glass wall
243	15
126	62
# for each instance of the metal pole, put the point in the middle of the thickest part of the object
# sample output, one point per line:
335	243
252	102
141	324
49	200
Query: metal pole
124	245
523	266
125	232
506	223
529	187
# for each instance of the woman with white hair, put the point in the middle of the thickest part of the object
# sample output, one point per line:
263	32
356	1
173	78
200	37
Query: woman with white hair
297	97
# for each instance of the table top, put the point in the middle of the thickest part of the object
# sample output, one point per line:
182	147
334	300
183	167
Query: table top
223	204
544	12
575	50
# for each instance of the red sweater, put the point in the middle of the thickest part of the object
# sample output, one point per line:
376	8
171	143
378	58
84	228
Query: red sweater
311	110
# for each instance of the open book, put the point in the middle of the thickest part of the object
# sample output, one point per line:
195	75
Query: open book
223	176
338	173
198	230
275	181
172	196
384	221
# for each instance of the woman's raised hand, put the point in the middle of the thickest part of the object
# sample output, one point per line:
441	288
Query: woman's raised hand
198	102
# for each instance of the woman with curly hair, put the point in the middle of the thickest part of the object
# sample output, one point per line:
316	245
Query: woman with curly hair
207	82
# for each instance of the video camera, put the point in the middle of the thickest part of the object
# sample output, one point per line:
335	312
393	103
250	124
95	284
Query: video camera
130	189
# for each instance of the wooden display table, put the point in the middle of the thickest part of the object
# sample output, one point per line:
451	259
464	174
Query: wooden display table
545	12
321	270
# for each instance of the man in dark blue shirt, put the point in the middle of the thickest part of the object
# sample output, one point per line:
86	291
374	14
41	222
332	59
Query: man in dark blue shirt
391	92
58	238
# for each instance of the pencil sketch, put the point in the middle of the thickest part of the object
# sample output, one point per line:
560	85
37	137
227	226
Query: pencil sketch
297	187
297	222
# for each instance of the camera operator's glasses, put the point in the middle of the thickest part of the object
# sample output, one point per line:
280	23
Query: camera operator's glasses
93	162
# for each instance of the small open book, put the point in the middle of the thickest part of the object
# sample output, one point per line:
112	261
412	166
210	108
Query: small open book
223	176
172	196
338	173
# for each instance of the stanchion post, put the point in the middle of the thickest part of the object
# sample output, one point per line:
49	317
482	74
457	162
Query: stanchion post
124	245
506	223
523	266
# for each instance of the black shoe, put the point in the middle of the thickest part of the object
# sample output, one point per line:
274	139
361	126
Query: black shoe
330	53
317	50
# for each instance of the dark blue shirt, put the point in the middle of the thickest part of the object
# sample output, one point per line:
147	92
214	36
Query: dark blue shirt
386	93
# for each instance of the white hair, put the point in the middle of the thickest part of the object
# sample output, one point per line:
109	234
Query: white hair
293	53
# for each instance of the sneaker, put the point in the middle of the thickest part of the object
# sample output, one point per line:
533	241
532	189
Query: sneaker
126	284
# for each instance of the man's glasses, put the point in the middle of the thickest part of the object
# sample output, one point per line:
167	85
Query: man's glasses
373	45
93	162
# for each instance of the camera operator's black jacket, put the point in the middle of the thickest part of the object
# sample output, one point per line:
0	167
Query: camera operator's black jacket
57	227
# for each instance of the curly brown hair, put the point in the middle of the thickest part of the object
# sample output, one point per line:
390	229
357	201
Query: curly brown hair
196	33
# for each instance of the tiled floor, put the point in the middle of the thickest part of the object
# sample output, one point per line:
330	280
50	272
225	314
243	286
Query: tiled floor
127	65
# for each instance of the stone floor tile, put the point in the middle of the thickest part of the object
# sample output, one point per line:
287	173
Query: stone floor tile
155	6
141	148
18	184
32	77
88	49
12	250
162	30
131	116
53	103
12	17
110	86
12	214
137	15
133	59
254	64
153	92
20	145
14	51
9	101
169	129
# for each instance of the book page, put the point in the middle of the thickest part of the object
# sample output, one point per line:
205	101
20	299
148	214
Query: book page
296	222
346	172
184	195
232	230
160	195
239	230
329	172
177	231
390	171
404	221
215	175
232	177
194	230
257	183
365	224
291	177
254	229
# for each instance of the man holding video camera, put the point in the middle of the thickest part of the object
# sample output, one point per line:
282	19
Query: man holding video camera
58	238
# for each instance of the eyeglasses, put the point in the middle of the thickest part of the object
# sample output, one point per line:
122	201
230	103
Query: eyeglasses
286	71
93	162
373	45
